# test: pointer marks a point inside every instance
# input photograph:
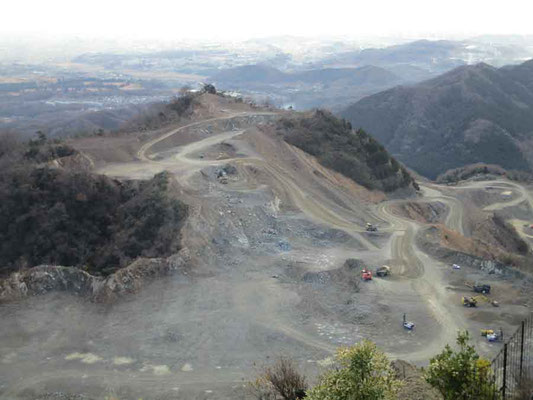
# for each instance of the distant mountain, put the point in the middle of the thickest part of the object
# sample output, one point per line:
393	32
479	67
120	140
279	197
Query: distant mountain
471	114
322	87
254	75
425	59
250	74
439	53
365	75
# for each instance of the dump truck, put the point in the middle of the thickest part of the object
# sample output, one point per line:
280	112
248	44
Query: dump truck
383	271
366	275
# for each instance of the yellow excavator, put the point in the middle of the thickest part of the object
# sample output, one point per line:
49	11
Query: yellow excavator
469	301
472	301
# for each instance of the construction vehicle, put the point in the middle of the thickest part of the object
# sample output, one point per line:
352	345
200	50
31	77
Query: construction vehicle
383	271
371	228
472	301
469	301
479	287
485	332
366	275
492	336
407	324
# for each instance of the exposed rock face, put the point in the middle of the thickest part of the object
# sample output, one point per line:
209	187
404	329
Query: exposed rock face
487	266
46	278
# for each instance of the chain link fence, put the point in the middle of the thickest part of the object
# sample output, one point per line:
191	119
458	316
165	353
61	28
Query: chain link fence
513	366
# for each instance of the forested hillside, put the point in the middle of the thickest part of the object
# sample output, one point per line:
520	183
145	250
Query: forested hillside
71	217
472	114
354	154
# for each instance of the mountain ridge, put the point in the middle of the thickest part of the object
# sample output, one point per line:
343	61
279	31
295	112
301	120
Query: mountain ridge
471	114
261	73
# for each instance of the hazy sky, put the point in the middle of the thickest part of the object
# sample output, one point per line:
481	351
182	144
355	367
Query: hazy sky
242	19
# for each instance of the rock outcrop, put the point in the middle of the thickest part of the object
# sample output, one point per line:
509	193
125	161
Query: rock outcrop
47	278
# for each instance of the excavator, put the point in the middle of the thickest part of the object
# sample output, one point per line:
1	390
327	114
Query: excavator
472	301
479	287
469	301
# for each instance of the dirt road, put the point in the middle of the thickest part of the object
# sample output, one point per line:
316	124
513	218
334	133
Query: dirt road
426	278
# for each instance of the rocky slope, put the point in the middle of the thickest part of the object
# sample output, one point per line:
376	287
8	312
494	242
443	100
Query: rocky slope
472	114
47	278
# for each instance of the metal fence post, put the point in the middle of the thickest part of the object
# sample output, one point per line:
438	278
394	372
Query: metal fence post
522	350
504	384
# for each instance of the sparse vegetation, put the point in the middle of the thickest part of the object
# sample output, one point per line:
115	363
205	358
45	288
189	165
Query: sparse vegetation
354	154
363	372
42	150
281	380
482	170
162	114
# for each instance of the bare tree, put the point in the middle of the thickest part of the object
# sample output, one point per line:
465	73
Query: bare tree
280	380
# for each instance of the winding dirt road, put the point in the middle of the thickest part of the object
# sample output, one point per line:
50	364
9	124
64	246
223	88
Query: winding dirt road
426	280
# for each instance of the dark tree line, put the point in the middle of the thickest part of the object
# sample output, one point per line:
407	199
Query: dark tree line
354	154
75	218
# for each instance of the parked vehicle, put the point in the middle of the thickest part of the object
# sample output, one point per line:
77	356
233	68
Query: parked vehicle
383	271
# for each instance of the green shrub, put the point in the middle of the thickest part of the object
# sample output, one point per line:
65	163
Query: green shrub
363	373
461	374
